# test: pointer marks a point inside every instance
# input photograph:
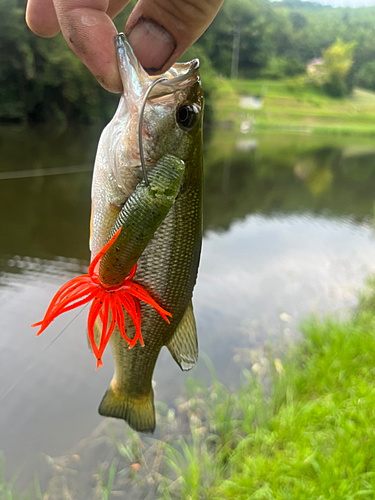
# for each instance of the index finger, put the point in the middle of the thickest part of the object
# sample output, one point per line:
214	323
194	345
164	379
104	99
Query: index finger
90	33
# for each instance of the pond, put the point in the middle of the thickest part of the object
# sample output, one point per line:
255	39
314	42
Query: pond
288	232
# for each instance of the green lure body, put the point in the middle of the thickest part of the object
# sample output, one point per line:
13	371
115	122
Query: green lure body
142	214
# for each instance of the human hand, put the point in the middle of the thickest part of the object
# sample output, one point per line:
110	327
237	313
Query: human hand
160	31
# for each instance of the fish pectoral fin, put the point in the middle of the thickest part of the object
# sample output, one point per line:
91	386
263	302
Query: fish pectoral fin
139	412
184	343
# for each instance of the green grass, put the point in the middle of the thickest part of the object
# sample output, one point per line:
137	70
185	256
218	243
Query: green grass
320	443
106	484
8	491
313	438
289	105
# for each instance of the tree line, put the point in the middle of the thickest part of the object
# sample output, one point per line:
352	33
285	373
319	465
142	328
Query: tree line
42	81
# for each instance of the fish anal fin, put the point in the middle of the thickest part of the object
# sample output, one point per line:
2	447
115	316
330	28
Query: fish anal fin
183	345
139	412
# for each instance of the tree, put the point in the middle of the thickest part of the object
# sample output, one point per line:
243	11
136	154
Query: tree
255	20
338	60
366	76
298	20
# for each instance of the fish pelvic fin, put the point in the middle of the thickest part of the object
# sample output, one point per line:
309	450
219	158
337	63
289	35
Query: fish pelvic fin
183	345
98	327
139	413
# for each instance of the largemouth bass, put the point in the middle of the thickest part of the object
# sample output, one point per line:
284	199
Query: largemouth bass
146	233
167	268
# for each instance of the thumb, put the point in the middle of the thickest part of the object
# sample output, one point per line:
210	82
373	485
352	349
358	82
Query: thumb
160	31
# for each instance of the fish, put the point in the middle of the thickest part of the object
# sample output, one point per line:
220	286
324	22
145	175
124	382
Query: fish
145	234
167	268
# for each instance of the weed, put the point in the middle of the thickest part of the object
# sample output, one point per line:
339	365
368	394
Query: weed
106	484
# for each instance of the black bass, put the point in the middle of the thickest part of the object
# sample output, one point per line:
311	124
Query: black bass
168	266
158	245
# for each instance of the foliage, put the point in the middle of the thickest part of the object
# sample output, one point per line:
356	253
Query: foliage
7	488
106	485
252	20
338	60
279	67
41	80
366	76
298	20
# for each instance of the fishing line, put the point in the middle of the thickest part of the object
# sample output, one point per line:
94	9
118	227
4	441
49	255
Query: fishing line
40	355
140	124
41	172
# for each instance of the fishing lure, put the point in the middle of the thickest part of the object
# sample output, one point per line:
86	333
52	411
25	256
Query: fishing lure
109	283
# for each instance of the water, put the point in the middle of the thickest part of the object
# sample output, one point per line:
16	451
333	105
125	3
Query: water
288	232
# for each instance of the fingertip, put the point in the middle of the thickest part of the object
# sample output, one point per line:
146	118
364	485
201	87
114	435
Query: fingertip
161	31
41	18
152	44
111	82
90	34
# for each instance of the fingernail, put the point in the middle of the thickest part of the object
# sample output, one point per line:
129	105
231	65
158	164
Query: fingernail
152	44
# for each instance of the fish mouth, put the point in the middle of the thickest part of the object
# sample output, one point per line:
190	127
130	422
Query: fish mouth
136	80
178	77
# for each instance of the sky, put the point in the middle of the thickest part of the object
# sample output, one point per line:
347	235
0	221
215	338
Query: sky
347	3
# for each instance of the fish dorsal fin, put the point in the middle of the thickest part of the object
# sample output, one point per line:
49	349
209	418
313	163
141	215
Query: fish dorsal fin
184	343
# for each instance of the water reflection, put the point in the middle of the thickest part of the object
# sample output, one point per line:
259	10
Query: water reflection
287	232
288	174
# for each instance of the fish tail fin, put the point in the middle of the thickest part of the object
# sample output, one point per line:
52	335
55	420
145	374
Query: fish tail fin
139	412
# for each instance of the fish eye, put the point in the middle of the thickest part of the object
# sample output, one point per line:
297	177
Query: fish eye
187	116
